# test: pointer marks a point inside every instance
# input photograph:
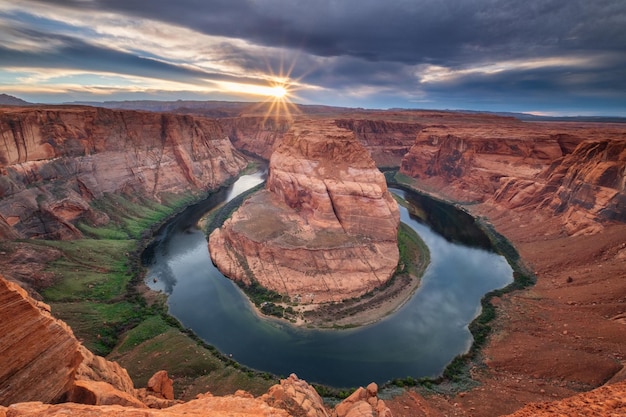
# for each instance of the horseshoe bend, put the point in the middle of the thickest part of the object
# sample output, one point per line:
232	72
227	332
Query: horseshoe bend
82	188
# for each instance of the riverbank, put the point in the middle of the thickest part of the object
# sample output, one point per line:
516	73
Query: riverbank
366	309
383	301
95	284
557	338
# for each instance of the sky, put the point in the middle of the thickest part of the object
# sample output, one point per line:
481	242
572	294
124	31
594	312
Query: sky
549	57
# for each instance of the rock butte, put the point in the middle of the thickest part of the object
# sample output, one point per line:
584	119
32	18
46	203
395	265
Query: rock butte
325	227
555	189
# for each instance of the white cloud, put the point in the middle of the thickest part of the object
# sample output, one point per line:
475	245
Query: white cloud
440	74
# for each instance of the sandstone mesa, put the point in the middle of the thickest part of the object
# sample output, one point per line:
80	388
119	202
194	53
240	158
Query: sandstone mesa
325	227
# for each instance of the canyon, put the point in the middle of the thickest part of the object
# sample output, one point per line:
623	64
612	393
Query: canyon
55	161
325	227
556	190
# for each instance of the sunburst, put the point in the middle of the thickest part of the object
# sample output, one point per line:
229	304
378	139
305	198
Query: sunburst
279	103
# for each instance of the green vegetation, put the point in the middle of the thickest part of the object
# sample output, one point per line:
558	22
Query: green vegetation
98	290
148	329
414	253
133	218
89	270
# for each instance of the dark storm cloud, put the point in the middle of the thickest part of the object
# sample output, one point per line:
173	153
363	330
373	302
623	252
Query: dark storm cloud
438	31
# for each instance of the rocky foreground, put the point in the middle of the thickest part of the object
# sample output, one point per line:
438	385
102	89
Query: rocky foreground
325	227
43	363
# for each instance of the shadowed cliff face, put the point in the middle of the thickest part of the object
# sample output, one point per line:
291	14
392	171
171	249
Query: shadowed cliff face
55	161
256	135
574	172
325	228
387	141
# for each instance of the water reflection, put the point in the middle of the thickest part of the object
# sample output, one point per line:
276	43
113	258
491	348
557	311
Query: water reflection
418	340
453	224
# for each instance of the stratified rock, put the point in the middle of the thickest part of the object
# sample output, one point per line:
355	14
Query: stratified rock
96	368
38	354
577	173
41	360
469	159
57	159
297	397
325	228
256	134
387	141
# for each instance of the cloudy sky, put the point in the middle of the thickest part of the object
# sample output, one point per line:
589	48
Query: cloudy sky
541	56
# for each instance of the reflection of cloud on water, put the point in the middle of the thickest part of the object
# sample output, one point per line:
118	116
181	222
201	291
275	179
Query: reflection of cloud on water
180	256
244	183
162	278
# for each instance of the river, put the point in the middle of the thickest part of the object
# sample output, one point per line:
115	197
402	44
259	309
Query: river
418	340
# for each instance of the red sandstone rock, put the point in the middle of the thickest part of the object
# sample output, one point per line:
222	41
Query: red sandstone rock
606	401
162	385
325	228
257	135
38	354
363	402
59	158
387	141
101	393
41	360
572	171
297	397
228	406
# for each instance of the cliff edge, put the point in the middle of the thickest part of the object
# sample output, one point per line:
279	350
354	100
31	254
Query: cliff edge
55	160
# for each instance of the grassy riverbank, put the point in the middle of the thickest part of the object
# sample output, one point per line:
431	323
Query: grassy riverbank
97	288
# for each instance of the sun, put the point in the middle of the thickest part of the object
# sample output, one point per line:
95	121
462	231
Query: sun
279	92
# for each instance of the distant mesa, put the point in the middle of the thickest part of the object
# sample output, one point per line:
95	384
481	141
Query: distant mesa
325	227
7	100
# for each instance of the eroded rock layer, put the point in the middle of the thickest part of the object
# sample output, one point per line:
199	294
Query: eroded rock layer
387	141
54	161
325	227
578	172
41	360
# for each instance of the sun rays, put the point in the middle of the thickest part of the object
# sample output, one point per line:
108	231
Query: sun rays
279	103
